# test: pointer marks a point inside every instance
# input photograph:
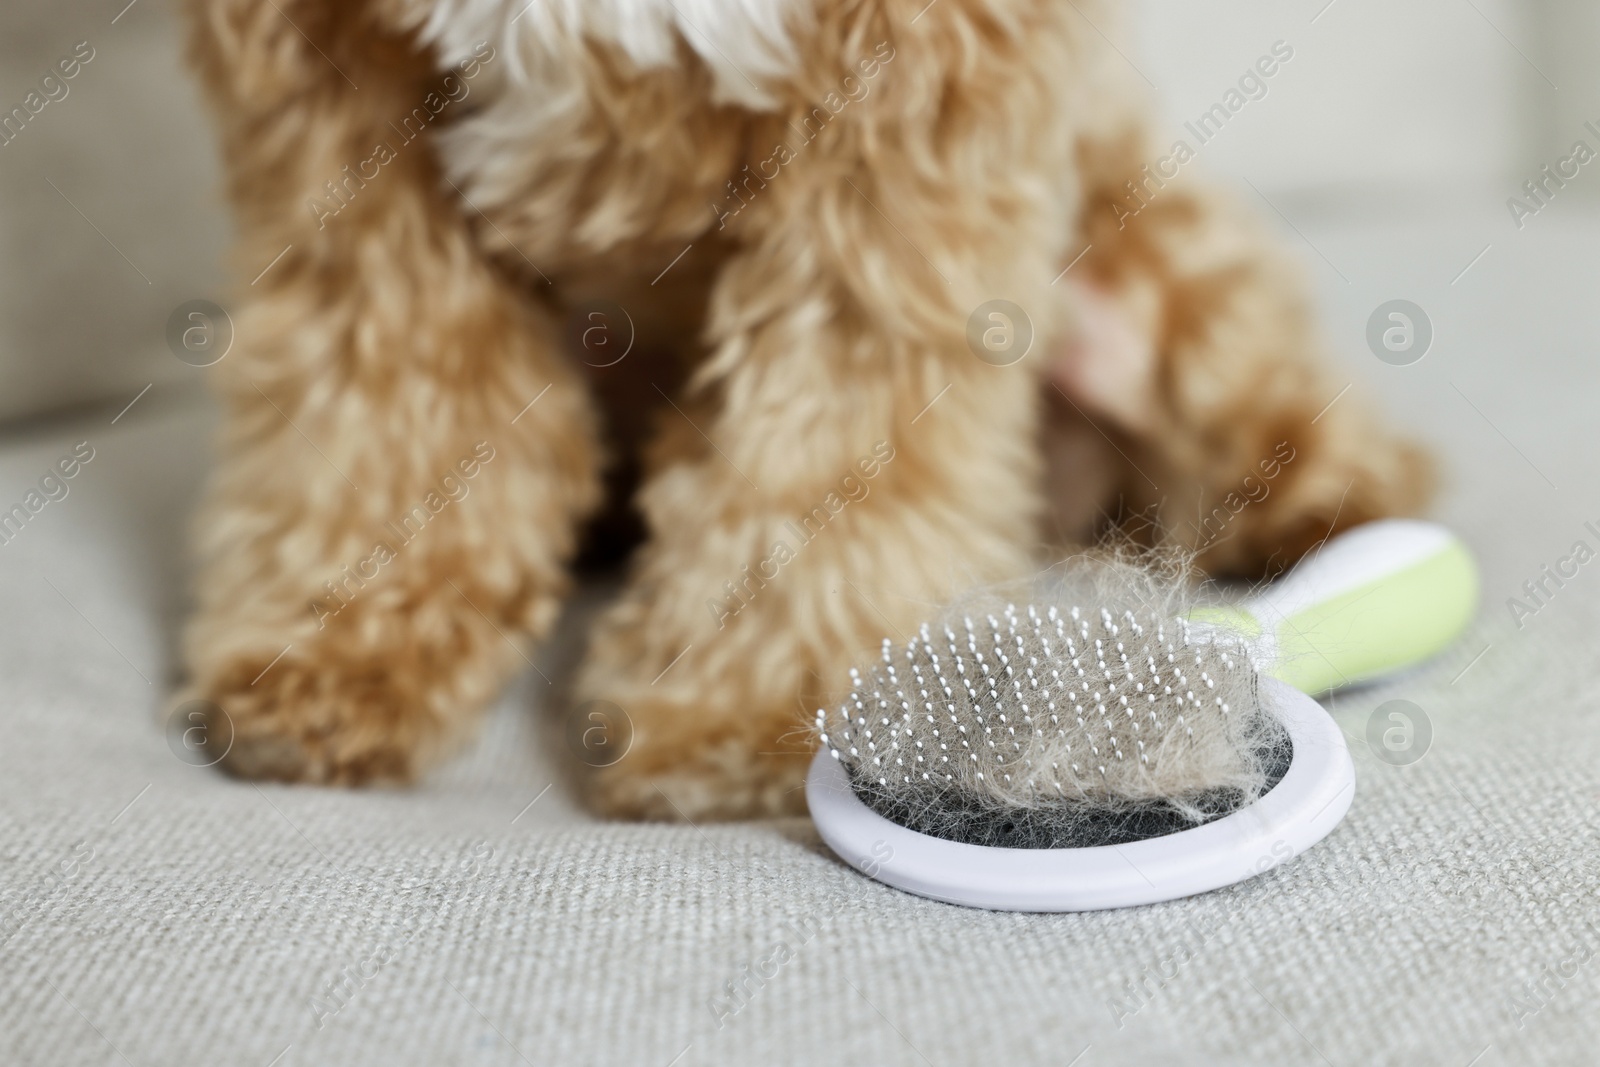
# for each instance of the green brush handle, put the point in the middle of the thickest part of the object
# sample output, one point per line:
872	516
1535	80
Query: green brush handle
1373	601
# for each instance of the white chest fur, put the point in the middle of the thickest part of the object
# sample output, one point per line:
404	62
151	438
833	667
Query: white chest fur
740	41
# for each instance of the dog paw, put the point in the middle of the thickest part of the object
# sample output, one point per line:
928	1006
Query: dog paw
316	720
670	772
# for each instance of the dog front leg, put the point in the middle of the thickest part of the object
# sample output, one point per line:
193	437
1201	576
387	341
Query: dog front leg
855	450
392	509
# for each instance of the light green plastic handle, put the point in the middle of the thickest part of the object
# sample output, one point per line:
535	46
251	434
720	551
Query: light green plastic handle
1373	601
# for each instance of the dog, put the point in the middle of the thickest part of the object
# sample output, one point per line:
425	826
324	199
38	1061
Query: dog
845	305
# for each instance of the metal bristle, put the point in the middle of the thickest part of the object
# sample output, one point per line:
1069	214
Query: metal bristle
1039	703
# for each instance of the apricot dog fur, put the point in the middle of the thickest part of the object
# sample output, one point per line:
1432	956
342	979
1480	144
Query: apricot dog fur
794	207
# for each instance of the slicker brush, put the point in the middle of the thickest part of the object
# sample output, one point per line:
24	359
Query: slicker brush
1095	738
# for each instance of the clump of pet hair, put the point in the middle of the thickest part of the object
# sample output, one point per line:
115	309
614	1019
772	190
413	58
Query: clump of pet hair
1085	707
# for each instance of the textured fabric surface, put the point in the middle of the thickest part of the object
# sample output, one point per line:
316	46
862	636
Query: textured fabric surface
157	913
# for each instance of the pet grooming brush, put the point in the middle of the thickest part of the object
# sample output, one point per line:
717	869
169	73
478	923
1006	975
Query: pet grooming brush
1096	742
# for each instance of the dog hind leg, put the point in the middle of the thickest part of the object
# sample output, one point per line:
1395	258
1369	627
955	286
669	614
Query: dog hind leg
1237	443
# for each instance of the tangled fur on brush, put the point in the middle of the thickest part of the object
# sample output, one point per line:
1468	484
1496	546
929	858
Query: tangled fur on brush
1083	708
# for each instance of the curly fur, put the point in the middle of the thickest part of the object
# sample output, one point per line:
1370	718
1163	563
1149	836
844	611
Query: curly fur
777	345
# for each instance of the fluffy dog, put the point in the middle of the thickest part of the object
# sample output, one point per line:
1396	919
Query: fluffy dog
796	215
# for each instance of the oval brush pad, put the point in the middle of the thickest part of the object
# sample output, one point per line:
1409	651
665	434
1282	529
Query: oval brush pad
1105	743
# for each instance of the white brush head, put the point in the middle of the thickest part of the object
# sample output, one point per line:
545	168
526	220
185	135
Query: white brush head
1077	711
